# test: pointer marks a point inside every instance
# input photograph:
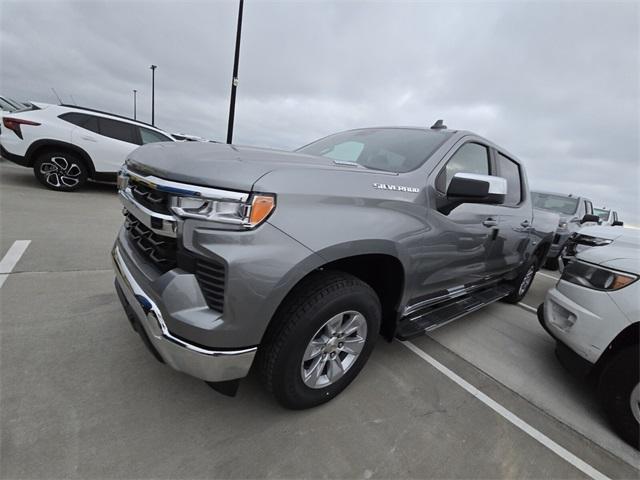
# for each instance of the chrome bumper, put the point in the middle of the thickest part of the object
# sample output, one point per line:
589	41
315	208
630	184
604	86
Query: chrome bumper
208	365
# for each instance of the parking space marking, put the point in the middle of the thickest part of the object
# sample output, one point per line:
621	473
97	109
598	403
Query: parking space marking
11	258
547	275
528	307
509	416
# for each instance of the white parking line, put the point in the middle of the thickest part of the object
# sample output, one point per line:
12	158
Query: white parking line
528	307
509	416
10	259
547	275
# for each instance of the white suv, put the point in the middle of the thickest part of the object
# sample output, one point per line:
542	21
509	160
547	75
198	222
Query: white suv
594	315
66	145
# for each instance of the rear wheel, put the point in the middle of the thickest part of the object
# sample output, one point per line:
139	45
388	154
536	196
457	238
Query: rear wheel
61	171
320	339
619	389
523	282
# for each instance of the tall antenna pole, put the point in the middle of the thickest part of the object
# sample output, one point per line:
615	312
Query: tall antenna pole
234	82
153	94
134	103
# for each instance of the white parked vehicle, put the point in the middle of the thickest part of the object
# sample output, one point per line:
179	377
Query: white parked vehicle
608	217
594	315
66	145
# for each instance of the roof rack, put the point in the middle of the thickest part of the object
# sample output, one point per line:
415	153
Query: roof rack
108	113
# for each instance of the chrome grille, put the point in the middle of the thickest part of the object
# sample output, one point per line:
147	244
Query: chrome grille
159	249
155	200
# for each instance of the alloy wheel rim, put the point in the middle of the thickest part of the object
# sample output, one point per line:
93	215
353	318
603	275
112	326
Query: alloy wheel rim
634	401
333	349
526	281
59	172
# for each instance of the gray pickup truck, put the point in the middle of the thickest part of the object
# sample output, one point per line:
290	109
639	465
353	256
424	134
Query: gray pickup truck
296	262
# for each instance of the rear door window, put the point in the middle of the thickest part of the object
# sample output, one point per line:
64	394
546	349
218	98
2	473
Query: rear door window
125	132
89	122
510	170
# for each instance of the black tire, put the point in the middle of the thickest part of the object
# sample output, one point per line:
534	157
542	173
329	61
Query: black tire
522	283
552	264
61	170
311	304
618	379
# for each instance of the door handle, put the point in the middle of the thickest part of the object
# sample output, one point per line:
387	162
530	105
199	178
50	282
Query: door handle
525	223
490	222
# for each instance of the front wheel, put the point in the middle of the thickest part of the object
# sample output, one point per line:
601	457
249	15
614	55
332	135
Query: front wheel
320	340
619	388
61	171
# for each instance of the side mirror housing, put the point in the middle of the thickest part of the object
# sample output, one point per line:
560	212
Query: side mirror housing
474	188
617	223
590	218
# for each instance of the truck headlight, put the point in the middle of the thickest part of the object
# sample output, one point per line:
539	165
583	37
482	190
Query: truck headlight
123	179
562	225
244	215
595	277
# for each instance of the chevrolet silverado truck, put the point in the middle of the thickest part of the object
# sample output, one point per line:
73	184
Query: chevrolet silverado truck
296	262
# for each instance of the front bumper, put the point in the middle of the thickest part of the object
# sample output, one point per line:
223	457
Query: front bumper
583	319
206	364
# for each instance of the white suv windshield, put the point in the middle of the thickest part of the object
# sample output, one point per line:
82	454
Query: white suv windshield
603	214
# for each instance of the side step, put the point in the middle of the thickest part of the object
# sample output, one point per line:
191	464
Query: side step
436	316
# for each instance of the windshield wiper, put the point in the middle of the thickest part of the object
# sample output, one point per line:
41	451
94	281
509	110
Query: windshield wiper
349	163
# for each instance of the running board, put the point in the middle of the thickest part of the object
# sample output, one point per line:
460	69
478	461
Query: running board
439	315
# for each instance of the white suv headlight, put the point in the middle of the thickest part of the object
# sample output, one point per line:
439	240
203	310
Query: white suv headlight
596	277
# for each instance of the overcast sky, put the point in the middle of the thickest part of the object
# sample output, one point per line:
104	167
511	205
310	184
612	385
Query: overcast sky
557	84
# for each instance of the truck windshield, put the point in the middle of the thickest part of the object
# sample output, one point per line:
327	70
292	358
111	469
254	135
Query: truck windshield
603	214
390	149
555	203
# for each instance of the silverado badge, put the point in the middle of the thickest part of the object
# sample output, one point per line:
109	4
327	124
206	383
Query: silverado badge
397	188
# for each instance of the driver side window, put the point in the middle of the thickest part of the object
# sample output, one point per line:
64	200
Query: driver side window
470	158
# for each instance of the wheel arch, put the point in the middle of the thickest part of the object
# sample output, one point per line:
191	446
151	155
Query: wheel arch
541	251
40	146
380	269
628	337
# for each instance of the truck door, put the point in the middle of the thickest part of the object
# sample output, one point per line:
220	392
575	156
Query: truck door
516	217
457	248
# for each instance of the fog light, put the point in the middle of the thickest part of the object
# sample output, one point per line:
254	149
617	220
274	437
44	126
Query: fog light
561	317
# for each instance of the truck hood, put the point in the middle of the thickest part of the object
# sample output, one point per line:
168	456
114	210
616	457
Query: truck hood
220	165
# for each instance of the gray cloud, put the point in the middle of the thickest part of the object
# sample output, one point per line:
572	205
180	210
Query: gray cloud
557	83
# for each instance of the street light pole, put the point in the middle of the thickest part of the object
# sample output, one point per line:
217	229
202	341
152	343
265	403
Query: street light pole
234	82
153	94
134	103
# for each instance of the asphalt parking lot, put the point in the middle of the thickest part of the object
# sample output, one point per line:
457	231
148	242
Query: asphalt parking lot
80	397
